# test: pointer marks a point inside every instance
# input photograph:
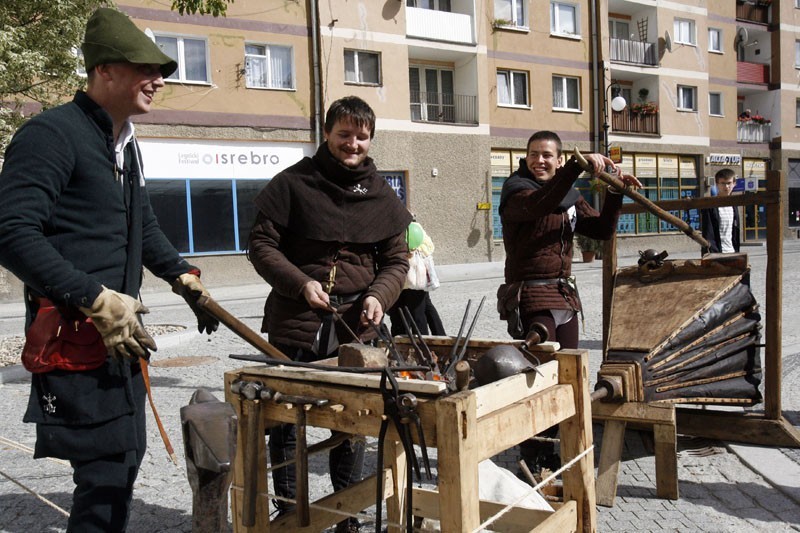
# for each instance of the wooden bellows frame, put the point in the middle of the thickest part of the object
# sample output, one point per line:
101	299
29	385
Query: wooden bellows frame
767	428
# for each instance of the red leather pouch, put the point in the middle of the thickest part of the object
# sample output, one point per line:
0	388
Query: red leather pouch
53	342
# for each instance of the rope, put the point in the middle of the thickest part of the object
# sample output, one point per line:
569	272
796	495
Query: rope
38	496
542	483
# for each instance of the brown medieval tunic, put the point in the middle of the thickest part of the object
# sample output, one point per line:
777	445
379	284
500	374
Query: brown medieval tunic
318	215
537	233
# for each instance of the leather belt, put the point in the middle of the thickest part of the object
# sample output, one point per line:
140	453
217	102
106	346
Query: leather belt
551	281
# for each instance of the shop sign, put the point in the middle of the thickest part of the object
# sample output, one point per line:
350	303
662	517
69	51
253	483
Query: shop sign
724	159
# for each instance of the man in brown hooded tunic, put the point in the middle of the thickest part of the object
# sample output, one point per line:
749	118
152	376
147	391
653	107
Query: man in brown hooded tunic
330	232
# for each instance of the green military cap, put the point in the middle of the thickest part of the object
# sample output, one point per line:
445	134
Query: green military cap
112	37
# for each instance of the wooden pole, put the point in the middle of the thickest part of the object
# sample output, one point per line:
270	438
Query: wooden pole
643	201
772	329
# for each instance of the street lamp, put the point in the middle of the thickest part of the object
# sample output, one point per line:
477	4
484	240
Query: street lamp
618	103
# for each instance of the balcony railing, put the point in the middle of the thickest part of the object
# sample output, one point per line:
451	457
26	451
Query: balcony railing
627	122
439	25
636	52
752	132
752	11
444	107
747	72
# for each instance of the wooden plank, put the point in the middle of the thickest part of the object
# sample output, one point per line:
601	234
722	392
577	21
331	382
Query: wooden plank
563	520
608	467
350	500
367	381
506	391
773	363
394	457
656	412
457	453
749	428
511	425
666	450
576	437
609	272
517	519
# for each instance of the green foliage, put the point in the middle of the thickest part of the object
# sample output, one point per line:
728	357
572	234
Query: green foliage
38	61
202	7
587	244
39	40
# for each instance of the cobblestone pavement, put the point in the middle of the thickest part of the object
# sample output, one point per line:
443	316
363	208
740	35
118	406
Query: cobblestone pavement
719	492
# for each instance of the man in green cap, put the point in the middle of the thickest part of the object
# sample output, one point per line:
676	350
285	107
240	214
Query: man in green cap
76	226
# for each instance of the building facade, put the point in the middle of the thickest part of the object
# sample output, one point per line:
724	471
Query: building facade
458	87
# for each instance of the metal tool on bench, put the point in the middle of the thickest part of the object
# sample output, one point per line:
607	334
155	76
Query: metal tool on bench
252	394
425	356
401	411
459	349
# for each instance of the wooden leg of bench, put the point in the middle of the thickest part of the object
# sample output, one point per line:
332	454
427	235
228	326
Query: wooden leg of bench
610	457
666	461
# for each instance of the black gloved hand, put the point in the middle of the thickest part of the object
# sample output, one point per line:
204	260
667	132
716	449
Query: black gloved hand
190	288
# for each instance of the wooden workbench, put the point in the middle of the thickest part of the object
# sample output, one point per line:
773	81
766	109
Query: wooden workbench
466	428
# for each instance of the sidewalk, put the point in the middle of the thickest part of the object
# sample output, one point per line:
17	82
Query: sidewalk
723	487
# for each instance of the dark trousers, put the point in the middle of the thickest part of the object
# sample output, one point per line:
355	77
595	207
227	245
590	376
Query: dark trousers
104	487
346	461
536	452
422	311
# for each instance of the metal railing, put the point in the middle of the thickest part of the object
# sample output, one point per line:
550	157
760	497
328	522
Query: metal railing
752	132
444	107
636	52
627	122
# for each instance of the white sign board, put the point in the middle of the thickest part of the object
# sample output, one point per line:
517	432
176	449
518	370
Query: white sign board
181	159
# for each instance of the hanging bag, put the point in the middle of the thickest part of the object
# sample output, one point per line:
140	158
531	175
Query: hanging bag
53	342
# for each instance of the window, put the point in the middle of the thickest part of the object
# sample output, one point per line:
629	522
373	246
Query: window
363	68
438	5
269	66
566	93
432	98
797	112
714	40
684	31
563	18
512	12
619	29
512	88
191	54
205	215
715	104
687	98
797	54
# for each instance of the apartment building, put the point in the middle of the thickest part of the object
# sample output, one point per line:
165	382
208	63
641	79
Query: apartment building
458	86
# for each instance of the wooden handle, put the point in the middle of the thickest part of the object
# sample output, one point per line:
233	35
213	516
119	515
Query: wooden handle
210	306
620	186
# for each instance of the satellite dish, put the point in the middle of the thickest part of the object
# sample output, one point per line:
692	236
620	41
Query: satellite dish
741	34
668	41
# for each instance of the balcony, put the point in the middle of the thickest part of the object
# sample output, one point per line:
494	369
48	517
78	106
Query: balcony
634	52
444	107
439	25
626	121
753	11
747	72
751	131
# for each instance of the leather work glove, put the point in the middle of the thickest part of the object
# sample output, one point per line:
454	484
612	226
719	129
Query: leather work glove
116	317
190	288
